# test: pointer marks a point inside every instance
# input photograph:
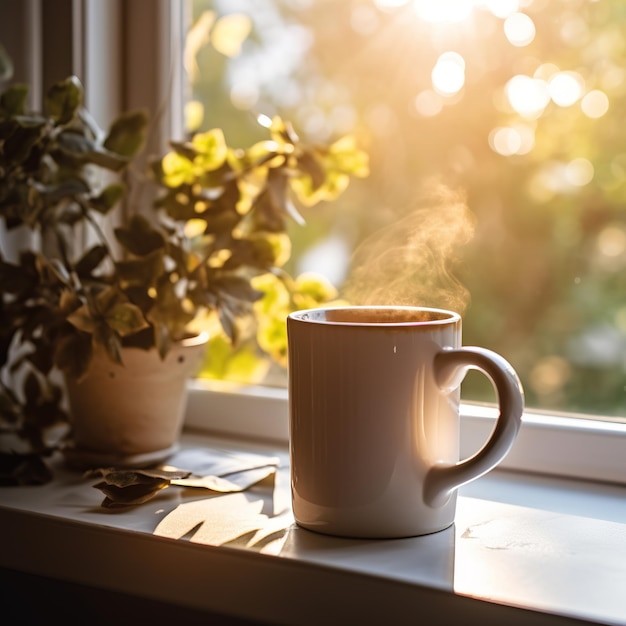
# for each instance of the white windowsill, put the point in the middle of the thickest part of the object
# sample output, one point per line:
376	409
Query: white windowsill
588	449
525	549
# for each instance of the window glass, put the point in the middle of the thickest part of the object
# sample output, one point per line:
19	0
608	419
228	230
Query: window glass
497	157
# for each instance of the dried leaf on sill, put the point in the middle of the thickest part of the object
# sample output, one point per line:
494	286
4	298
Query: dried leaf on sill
128	487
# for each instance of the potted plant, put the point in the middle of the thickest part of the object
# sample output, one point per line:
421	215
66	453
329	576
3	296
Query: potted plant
100	279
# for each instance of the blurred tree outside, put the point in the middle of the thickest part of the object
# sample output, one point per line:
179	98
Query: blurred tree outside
497	181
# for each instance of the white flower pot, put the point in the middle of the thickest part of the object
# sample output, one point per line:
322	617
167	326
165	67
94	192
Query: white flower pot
132	414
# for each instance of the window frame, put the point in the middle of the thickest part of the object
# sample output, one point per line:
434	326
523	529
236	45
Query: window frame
142	72
551	444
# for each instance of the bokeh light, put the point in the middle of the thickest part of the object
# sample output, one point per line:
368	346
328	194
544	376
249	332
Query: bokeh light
502	8
528	96
519	29
579	172
549	375
595	104
510	140
611	241
566	88
448	75
194	115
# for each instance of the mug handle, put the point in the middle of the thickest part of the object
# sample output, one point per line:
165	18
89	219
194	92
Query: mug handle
451	366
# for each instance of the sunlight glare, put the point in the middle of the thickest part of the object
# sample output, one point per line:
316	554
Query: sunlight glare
448	75
502	8
557	177
364	20
444	10
528	96
519	29
264	120
390	4
566	88
595	104
504	141
612	241
508	141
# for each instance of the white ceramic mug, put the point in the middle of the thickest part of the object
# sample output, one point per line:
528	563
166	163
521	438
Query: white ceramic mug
374	396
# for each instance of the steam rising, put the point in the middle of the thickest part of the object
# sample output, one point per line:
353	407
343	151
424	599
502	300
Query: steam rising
410	262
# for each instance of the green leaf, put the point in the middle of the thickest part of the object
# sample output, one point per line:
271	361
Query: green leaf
211	149
258	252
73	354
275	203
69	301
69	188
169	316
82	319
74	145
311	166
107	160
106	299
228	322
108	198
177	170
18	145
238	288
162	336
90	260
127	133
125	319
64	99
108	317
110	341
6	64
13	100
144	339
139	237
344	156
143	272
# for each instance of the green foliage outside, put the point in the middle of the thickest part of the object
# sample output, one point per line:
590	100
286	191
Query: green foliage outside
527	197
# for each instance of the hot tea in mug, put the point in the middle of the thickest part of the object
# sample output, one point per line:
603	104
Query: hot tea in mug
374	395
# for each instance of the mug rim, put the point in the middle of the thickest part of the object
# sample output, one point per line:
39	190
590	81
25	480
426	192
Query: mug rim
302	315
